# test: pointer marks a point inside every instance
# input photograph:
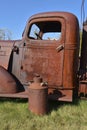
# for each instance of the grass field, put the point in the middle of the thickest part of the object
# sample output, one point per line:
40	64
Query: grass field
14	115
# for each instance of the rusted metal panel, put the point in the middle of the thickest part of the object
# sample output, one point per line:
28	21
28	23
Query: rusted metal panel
83	89
44	61
42	57
56	60
17	59
7	83
71	55
5	52
65	60
38	97
15	95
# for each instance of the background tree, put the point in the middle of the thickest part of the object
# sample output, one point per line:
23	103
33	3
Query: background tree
5	34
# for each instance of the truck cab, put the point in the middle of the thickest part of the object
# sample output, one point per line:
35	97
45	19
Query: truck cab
49	48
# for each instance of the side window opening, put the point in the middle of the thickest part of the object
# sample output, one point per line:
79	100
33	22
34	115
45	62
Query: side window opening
34	31
48	30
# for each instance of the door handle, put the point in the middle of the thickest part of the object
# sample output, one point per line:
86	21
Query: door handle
59	48
16	49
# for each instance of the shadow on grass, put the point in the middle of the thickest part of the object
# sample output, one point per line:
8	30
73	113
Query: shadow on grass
54	105
16	100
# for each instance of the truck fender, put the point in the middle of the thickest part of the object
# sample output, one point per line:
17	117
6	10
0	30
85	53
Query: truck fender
7	82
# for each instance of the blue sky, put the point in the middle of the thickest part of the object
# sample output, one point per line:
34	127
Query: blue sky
15	13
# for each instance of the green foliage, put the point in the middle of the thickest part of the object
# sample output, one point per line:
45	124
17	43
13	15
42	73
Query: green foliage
14	115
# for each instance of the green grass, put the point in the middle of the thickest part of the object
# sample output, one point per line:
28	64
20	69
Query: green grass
14	115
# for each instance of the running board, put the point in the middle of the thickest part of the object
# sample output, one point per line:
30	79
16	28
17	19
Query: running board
16	95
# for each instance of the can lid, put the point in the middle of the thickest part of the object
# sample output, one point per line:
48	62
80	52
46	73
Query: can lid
38	79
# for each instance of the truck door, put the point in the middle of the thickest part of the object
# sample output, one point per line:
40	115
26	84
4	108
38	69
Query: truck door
44	51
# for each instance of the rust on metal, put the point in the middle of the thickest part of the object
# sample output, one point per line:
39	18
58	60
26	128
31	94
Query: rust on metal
55	60
38	97
7	83
5	52
53	57
83	88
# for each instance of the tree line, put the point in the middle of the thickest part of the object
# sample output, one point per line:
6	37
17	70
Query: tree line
5	34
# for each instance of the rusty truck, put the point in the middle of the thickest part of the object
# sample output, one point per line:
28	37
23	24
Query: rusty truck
49	48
